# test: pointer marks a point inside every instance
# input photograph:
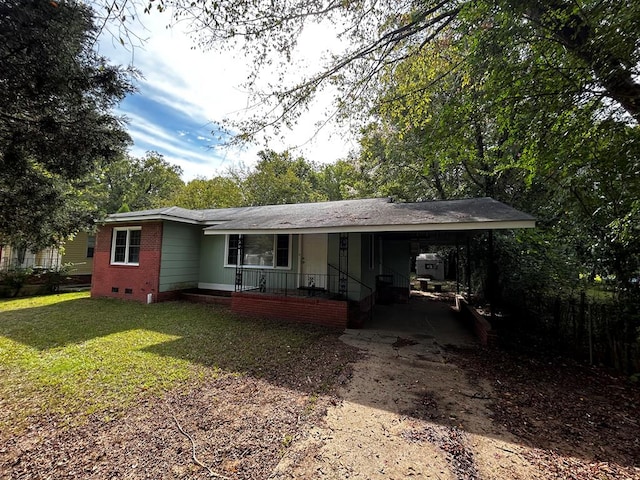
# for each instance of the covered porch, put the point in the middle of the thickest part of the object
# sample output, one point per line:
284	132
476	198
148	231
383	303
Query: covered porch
330	263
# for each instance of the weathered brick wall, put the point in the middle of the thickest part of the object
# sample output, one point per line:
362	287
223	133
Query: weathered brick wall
480	325
330	313
132	282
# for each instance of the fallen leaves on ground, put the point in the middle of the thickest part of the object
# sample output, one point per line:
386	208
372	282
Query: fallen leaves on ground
579	422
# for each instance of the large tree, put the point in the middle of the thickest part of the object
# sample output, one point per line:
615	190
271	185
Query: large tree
56	125
279	178
471	133
592	43
137	183
202	193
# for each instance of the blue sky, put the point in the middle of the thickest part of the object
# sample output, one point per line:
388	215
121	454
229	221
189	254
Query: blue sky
184	90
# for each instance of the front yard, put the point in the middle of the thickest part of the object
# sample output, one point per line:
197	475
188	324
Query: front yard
107	389
69	363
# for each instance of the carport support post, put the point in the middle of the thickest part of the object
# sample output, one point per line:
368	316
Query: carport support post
343	265
491	277
457	265
468	267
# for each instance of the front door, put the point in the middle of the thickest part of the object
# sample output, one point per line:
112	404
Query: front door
314	261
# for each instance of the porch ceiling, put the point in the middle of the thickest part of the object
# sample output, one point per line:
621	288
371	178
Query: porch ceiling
376	215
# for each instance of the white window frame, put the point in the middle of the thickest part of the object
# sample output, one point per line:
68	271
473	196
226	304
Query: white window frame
127	245
275	254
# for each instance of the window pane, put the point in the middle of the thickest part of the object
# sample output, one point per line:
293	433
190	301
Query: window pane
258	250
91	243
134	237
121	245
134	246
134	254
282	254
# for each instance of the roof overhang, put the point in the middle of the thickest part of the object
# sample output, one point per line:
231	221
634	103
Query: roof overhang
161	218
431	227
151	218
378	215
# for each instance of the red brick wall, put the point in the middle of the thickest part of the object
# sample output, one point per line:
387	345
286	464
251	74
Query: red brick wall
141	279
480	325
330	313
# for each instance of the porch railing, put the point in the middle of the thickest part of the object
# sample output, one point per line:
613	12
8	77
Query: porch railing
286	283
366	299
394	278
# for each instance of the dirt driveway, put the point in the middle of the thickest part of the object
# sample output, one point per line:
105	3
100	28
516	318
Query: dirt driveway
417	406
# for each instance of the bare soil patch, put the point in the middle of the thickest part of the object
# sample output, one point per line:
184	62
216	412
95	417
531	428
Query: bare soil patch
241	427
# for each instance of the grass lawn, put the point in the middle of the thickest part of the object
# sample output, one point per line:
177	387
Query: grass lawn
70	356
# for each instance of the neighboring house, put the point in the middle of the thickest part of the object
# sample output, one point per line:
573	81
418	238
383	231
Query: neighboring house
314	262
12	257
79	253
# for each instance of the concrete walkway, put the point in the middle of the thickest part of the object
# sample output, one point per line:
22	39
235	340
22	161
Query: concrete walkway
416	330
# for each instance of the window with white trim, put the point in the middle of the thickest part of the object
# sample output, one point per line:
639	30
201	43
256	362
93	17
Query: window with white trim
125	245
260	251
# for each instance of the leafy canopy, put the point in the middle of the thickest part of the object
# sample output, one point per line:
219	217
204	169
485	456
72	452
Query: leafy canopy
591	45
56	125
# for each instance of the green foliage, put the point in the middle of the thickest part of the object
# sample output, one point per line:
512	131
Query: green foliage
56	276
590	48
56	128
202	193
454	120
15	278
279	178
535	263
124	208
339	180
140	183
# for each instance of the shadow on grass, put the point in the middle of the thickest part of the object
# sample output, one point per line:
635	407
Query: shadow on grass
289	355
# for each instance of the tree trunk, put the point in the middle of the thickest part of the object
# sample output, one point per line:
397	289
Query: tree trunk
573	30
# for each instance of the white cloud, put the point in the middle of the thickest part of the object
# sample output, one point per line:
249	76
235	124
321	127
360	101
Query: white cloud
204	87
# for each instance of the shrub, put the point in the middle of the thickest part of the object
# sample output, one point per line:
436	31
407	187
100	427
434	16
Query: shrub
15	278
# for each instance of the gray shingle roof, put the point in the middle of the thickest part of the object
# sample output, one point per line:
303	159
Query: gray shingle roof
378	214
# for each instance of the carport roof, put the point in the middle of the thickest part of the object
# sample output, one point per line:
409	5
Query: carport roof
368	215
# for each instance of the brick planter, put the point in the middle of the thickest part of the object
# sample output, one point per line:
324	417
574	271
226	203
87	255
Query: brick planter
480	325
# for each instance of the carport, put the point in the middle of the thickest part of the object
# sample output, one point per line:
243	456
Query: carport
421	318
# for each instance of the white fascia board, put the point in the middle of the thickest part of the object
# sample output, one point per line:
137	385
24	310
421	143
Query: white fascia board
213	223
152	218
450	227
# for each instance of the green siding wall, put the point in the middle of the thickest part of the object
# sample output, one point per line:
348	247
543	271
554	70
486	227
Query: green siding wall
75	251
368	274
397	256
356	263
180	261
332	250
212	269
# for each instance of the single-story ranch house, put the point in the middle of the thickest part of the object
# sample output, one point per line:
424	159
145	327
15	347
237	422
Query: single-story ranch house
312	262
